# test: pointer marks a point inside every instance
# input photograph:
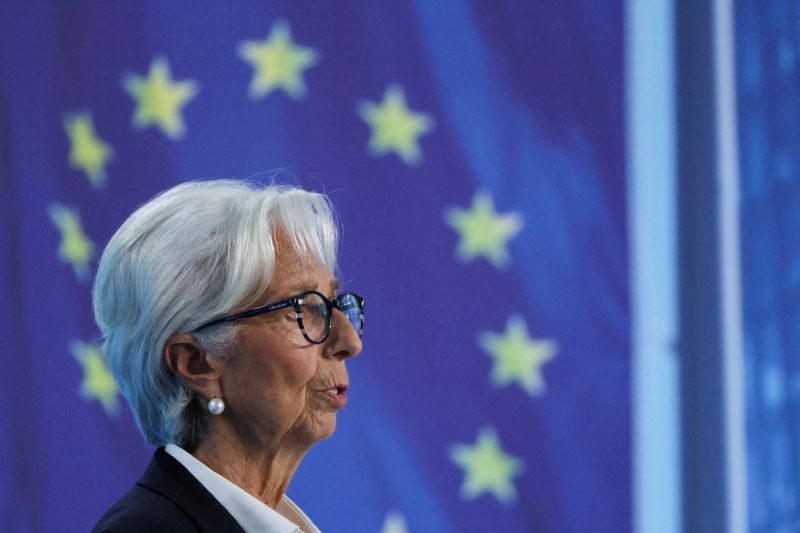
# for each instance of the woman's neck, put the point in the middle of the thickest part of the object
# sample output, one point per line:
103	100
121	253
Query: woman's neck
263	471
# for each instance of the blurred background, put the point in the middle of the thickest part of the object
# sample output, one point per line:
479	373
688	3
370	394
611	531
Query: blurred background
576	225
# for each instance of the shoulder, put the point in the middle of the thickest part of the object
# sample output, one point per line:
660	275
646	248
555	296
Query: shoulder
144	510
167	498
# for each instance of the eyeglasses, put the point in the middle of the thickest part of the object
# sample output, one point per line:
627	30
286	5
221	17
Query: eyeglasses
313	311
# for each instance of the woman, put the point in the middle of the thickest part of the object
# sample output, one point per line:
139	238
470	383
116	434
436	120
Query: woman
218	307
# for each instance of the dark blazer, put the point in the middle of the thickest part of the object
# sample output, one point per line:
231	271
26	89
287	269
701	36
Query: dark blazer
167	498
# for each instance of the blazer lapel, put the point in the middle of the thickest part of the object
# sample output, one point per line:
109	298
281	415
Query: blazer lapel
166	476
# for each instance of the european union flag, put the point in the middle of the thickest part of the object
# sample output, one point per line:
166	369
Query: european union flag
474	151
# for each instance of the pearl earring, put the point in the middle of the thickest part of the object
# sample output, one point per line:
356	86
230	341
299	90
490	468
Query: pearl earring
216	406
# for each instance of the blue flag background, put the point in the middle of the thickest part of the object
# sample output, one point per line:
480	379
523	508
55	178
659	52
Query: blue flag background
475	153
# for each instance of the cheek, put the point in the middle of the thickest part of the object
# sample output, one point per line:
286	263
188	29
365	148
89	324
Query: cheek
300	369
270	369
283	377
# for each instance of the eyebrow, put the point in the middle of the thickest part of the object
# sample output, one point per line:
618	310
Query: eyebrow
301	285
308	285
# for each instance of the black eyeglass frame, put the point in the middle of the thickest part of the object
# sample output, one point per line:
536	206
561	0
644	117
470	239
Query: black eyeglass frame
297	301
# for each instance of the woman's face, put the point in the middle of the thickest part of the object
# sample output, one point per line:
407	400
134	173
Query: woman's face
279	389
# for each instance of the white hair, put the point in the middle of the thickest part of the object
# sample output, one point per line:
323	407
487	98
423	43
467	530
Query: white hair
193	253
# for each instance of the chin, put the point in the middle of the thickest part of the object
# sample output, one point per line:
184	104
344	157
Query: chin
319	429
326	429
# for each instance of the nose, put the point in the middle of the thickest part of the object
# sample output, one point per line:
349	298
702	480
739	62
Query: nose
343	340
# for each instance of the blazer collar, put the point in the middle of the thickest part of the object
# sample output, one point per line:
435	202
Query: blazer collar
167	477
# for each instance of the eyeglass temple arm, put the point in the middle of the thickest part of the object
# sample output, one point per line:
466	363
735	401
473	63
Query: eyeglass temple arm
247	314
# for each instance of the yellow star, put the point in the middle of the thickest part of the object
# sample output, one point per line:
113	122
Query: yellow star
395	128
158	99
278	63
483	232
87	151
75	247
395	522
97	384
487	468
517	357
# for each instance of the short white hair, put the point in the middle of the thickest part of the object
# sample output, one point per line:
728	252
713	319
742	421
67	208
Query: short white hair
191	254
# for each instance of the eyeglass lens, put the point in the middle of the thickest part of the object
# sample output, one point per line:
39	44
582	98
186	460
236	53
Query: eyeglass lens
349	305
315	314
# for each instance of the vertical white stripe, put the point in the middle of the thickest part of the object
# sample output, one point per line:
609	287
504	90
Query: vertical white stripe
729	268
651	175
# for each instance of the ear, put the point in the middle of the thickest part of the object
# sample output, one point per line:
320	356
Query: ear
192	365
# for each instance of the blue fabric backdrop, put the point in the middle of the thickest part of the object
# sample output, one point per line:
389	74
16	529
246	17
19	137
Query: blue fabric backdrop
475	153
769	133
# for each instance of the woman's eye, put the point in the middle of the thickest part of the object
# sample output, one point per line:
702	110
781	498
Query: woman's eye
318	311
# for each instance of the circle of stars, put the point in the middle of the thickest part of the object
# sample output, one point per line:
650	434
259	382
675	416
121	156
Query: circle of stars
279	63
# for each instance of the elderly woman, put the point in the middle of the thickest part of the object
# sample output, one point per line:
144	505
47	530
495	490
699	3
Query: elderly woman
222	325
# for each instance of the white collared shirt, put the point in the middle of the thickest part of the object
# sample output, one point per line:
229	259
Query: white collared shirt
252	514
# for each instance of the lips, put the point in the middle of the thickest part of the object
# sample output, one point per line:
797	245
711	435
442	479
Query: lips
336	395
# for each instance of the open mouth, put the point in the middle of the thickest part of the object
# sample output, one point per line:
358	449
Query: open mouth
337	394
